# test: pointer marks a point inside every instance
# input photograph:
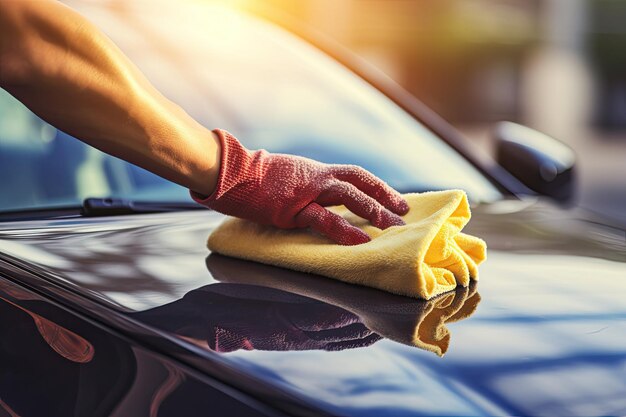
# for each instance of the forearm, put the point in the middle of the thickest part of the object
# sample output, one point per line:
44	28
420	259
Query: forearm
71	75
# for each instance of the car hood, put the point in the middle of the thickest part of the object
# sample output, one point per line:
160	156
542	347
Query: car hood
541	333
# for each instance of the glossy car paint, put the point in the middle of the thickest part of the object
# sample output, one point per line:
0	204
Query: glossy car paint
55	363
541	334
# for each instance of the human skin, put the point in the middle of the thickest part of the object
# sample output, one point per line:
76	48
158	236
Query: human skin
70	74
74	77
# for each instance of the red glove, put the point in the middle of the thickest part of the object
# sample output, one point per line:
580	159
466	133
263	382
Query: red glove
290	192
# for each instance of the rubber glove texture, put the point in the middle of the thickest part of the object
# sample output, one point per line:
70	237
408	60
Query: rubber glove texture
289	192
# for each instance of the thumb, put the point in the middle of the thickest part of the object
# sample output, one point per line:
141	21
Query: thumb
331	225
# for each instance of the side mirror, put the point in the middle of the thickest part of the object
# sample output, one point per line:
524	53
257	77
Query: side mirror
539	161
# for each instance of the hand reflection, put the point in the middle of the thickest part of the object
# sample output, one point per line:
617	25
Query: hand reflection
412	322
261	307
227	317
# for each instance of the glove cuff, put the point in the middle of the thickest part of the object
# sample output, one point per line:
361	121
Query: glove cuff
235	162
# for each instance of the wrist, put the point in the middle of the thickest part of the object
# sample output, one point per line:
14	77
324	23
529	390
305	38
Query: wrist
205	171
234	169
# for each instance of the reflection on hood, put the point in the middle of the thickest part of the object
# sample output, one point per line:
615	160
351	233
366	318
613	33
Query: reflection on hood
229	317
54	363
63	341
259	307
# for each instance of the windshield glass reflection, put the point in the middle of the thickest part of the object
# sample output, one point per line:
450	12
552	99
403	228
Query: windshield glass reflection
319	109
260	307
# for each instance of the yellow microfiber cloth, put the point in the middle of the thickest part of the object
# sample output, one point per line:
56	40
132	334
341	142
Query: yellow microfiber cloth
424	258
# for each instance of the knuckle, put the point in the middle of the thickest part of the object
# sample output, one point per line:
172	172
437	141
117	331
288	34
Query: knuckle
332	183
361	172
350	169
344	190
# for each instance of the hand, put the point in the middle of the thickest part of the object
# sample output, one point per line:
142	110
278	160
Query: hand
291	192
229	317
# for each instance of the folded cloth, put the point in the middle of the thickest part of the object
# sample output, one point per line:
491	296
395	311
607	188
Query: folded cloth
424	258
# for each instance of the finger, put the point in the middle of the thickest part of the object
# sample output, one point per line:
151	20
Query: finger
360	204
372	186
350	332
323	317
353	344
331	225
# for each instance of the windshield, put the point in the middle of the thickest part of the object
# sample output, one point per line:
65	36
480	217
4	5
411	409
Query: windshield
242	74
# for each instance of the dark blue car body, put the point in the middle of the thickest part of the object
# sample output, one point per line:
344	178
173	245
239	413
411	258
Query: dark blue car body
131	315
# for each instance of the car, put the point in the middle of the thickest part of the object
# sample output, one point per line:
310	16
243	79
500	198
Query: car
112	305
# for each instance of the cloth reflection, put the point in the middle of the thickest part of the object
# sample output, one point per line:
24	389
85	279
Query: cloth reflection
256	306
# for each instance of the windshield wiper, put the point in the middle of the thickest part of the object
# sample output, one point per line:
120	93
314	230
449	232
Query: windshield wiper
38	213
96	207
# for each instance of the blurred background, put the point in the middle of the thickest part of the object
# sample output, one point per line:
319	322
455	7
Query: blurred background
558	66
